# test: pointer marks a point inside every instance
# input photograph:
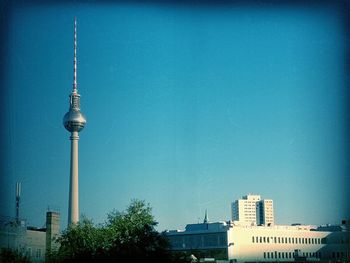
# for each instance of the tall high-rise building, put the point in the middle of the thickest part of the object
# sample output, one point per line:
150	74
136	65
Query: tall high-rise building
74	121
253	210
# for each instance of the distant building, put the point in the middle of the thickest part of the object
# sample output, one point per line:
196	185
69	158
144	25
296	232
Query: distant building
32	241
35	244
230	242
252	210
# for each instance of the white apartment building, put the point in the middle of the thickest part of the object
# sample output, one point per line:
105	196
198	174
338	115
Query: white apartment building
252	210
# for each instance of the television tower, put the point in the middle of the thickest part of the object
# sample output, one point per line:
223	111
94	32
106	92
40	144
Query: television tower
74	121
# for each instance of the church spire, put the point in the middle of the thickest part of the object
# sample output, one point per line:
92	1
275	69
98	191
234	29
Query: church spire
206	220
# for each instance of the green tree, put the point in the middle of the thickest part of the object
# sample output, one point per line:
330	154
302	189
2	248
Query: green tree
125	236
13	256
79	242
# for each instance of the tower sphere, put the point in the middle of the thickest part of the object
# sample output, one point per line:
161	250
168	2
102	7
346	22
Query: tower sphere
74	121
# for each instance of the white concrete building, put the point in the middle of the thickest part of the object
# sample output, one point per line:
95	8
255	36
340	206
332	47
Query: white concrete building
33	241
35	245
229	242
252	210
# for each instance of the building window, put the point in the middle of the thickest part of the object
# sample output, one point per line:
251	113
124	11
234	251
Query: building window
256	239
38	253
289	240
275	239
268	240
252	239
264	254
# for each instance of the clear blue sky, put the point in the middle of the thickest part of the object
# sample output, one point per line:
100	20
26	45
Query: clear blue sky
189	107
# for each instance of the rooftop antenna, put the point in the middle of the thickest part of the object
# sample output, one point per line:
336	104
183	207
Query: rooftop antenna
18	198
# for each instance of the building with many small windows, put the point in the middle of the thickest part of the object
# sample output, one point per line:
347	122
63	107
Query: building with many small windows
232	242
252	210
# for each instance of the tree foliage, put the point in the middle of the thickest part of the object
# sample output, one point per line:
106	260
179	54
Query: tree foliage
125	236
13	256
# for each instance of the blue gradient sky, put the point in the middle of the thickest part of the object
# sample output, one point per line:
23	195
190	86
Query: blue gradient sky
189	107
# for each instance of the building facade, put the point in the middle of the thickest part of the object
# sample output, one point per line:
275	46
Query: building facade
252	210
32	241
231	242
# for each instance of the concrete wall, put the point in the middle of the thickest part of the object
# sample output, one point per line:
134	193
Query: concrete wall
262	243
34	242
36	245
253	244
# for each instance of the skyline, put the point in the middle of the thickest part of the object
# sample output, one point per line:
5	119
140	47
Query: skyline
190	107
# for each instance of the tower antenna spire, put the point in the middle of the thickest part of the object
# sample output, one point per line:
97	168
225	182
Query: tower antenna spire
75	57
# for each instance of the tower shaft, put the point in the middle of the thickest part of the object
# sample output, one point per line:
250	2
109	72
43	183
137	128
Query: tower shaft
73	210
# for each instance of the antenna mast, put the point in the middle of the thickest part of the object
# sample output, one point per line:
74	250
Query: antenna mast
18	198
75	57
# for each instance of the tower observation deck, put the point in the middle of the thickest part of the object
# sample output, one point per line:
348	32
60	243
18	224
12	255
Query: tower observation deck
74	121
